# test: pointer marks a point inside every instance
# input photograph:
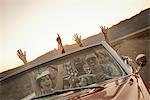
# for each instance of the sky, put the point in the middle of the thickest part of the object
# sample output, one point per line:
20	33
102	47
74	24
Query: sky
32	25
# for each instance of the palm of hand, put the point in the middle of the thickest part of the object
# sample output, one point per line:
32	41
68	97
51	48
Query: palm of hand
104	29
77	38
21	55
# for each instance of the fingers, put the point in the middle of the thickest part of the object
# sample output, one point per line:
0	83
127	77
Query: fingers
104	27
19	52
101	27
75	36
74	39
24	53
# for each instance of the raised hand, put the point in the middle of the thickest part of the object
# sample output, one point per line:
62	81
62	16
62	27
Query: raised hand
77	39
105	32
22	56
104	29
59	40
60	49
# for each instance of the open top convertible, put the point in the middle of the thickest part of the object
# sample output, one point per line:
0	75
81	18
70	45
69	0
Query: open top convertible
95	72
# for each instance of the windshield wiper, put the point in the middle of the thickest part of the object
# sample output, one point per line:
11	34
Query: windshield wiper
68	90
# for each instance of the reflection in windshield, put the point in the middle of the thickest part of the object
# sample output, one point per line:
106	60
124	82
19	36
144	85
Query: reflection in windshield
91	67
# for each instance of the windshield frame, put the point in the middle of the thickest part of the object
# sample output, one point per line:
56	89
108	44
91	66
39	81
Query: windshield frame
106	46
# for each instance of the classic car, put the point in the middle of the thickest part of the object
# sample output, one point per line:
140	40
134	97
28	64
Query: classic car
95	72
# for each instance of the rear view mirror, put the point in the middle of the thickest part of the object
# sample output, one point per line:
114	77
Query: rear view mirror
141	60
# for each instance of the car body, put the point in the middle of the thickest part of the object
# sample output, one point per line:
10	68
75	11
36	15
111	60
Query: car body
95	72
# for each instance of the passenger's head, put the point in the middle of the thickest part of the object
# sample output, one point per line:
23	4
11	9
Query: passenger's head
92	61
78	62
52	72
44	81
141	60
87	69
68	66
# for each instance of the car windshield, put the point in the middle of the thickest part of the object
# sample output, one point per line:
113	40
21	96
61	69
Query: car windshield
93	65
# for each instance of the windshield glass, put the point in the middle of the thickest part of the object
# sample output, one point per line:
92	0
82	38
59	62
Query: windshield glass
83	68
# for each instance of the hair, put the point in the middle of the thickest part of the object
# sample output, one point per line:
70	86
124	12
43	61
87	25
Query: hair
39	81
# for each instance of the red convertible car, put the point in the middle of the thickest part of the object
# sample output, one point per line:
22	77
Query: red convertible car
95	72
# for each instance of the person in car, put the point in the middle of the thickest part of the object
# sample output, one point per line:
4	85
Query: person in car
141	60
56	75
45	82
88	78
96	68
78	64
71	73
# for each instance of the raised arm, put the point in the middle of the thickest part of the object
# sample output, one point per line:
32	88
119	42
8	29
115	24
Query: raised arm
78	40
105	33
22	56
58	39
61	49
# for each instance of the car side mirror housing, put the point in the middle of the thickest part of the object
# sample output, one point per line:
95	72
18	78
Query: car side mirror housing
141	60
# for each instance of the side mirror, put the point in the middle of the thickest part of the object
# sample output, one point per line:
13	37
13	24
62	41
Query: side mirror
141	60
